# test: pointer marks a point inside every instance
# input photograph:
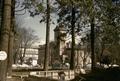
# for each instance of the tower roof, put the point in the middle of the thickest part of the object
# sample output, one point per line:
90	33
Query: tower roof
60	28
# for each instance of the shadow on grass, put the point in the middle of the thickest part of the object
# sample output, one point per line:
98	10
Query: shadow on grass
110	74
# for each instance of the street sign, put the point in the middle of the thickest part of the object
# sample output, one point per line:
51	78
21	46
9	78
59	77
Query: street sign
3	55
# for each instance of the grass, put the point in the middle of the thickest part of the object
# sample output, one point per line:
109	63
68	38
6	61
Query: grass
110	74
33	78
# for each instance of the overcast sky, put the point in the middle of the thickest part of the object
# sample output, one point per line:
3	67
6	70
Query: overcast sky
33	22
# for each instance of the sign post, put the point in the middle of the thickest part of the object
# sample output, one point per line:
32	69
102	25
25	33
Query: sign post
3	55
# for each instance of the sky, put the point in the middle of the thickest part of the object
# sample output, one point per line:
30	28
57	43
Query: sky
33	23
39	28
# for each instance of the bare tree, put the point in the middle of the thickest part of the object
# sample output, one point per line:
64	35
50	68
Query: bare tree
26	38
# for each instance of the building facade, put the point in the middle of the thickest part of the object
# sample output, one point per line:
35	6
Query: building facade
63	49
60	38
60	51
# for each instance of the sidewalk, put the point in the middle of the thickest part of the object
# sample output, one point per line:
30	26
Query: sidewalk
14	79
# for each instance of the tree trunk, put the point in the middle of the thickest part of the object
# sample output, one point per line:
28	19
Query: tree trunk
22	55
72	61
11	40
15	58
92	44
10	53
102	50
5	37
84	58
39	60
46	60
1	15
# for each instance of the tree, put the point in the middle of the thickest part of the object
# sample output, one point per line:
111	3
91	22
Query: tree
1	14
72	61
26	38
39	8
86	47
16	47
94	14
108	32
4	39
114	50
106	59
67	16
101	16
1	10
11	35
11	41
90	9
46	62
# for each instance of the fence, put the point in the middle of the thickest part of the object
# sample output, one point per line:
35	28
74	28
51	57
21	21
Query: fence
69	74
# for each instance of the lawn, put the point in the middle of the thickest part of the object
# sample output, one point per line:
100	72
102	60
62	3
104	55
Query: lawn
109	74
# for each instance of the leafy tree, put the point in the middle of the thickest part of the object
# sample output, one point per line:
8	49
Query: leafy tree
106	59
69	16
108	32
114	50
105	22
85	16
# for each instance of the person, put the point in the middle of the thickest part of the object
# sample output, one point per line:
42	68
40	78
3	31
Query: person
62	76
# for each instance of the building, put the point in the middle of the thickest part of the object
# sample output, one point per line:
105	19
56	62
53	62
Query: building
60	50
31	53
41	54
60	38
63	49
82	58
